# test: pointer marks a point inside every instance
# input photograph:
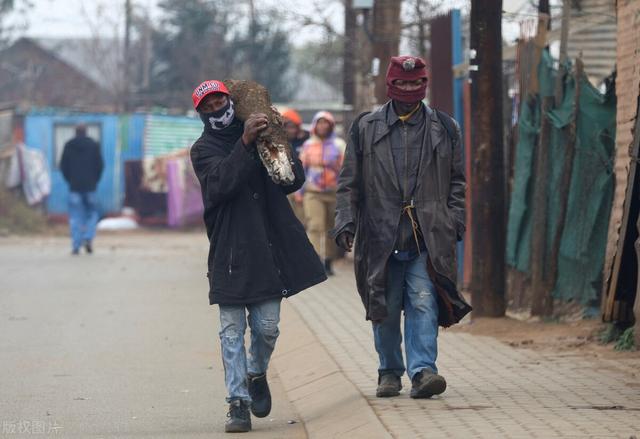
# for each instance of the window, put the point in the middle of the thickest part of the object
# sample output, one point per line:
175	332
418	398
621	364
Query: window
62	133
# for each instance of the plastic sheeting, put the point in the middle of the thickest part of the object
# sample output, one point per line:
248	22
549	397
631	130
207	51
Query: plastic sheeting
184	201
584	236
28	168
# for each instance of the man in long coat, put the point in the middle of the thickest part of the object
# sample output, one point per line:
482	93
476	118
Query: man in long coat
401	197
81	165
259	252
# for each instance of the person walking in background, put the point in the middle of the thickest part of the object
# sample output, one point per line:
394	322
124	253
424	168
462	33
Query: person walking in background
295	133
321	157
82	166
401	197
296	136
258	251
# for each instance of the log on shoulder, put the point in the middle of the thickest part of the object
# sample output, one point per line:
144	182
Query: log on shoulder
272	144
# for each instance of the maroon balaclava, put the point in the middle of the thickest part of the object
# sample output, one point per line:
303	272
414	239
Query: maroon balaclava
408	68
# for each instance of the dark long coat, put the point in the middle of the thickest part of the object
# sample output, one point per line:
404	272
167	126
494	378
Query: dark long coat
258	249
370	203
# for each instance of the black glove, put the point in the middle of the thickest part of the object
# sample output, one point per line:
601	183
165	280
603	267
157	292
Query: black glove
345	240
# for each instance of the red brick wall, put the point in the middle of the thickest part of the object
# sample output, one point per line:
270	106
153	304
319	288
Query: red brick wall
627	90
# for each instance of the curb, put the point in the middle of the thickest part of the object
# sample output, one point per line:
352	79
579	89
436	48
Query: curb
328	403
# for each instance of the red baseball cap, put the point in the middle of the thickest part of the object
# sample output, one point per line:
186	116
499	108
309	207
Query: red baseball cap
206	88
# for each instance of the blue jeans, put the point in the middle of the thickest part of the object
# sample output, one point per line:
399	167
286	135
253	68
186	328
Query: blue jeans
263	320
83	217
410	288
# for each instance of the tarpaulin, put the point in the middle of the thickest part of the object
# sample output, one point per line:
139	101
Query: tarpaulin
584	235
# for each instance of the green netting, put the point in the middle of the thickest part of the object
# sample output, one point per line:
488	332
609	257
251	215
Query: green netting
591	192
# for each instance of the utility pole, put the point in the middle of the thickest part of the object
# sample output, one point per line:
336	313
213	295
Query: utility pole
386	40
570	143
564	42
349	60
487	176
542	302
147	52
252	35
126	89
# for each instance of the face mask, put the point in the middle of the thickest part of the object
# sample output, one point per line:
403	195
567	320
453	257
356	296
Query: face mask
221	119
406	96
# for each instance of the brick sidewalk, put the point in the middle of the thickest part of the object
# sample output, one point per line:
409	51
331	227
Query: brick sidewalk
494	390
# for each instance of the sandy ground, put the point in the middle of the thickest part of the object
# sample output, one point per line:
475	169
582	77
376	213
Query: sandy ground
118	344
579	337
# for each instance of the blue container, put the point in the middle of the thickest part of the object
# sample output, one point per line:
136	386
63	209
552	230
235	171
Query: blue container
120	138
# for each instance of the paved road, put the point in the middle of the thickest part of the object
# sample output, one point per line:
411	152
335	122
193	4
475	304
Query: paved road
118	344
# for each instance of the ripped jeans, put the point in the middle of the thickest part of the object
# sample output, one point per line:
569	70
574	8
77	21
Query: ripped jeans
263	320
410	288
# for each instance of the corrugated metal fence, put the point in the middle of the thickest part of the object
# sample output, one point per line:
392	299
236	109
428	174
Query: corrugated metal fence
165	134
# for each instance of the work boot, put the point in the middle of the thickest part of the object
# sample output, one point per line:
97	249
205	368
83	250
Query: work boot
239	419
88	247
260	395
389	385
425	384
328	267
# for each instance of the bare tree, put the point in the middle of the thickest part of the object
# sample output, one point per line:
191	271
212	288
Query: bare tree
104	49
386	40
416	19
19	9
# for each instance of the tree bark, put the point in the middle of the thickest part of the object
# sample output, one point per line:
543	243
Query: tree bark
542	302
386	34
487	177
565	183
349	60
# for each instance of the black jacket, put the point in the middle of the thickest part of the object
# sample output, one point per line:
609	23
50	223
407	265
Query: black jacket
81	164
369	203
258	249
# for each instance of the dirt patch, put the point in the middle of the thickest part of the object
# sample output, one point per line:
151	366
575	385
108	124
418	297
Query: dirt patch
579	337
17	217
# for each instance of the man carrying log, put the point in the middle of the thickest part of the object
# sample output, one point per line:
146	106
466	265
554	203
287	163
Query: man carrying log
259	252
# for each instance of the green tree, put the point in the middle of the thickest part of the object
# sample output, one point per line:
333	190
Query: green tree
20	8
322	60
190	45
213	39
262	52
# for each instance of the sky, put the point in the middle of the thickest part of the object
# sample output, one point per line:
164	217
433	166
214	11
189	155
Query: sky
83	18
79	18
